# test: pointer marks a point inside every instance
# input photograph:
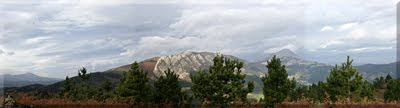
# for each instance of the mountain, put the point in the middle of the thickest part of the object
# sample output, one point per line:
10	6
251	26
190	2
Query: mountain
304	71
187	63
183	64
372	71
25	79
307	72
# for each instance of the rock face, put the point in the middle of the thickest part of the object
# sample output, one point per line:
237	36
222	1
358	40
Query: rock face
183	64
304	71
288	58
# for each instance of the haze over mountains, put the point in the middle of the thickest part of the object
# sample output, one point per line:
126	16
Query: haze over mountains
25	79
187	63
304	71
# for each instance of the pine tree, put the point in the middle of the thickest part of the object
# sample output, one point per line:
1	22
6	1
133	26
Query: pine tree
392	92
379	83
316	92
168	89
67	88
388	78
103	92
134	85
298	93
223	84
277	86
367	91
83	91
344	82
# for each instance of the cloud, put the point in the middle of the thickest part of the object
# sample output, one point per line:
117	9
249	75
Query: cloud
347	26
327	28
1	52
369	49
55	38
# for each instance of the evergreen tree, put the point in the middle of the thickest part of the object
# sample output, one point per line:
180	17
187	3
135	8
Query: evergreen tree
392	92
379	83
83	91
223	84
388	78
134	85
277	86
104	91
298	93
67	88
367	91
316	92
344	82
168	89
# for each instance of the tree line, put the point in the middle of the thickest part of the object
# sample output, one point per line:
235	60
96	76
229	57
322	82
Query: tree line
224	83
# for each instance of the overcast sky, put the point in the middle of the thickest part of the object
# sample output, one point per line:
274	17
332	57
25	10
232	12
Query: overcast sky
56	37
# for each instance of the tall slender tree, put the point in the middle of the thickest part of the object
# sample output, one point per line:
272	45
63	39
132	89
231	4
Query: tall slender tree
83	91
277	85
134	85
392	92
168	89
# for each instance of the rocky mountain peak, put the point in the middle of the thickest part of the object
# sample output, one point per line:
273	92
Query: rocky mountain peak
288	58
285	53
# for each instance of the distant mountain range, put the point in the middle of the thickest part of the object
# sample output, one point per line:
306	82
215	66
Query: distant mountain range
187	63
25	79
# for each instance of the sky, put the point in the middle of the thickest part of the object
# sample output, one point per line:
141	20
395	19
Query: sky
54	38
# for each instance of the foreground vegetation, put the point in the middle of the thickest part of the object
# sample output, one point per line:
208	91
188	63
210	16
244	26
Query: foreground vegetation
223	84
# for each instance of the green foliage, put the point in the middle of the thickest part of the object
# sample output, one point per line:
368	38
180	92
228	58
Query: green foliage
316	92
223	84
82	73
298	93
392	92
168	89
388	78
345	83
367	91
67	88
277	86
379	83
83	91
104	91
134	85
78	90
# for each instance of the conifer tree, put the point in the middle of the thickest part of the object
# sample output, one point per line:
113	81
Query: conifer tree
392	92
134	85
223	83
103	91
83	91
379	83
344	82
316	92
167	88
67	88
277	86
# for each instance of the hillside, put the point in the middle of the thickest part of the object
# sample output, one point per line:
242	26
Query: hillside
187	63
25	79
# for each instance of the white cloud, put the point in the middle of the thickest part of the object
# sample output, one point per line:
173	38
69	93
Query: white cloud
327	28
369	49
36	40
289	46
347	26
45	36
330	43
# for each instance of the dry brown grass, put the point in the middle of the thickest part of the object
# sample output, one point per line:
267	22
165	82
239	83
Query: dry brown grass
118	103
